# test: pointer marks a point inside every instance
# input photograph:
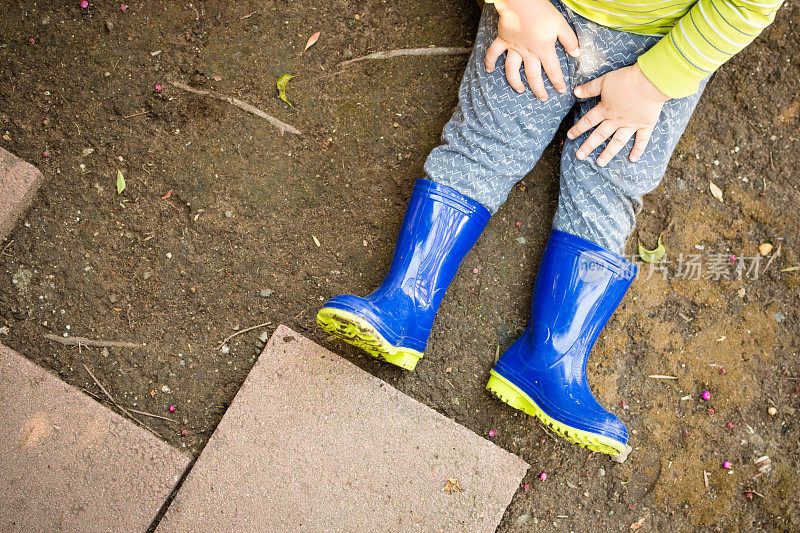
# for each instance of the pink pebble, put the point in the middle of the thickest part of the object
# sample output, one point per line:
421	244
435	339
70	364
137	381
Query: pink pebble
171	408
730	425
518	223
491	433
184	432
723	371
711	411
542	476
46	153
31	41
727	465
526	486
732	258
124	7
475	270
158	88
84	4
706	395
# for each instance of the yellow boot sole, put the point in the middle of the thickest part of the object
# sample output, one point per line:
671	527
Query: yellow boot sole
509	393
354	330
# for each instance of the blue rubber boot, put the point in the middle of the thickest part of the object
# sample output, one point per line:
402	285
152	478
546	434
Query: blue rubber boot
394	322
543	373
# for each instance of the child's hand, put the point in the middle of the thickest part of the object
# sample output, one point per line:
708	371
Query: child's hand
528	29
629	104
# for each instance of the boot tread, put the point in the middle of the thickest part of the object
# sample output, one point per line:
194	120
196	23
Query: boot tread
357	331
509	393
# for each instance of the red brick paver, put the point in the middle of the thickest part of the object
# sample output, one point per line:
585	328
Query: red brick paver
313	443
19	182
67	463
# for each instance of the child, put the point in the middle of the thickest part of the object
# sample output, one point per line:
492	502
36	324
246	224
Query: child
634	71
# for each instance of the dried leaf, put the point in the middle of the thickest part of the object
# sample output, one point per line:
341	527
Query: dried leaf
453	485
652	256
764	249
216	78
311	41
120	182
716	192
282	81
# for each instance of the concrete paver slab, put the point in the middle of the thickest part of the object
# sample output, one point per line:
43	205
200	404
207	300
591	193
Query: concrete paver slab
313	443
19	182
67	463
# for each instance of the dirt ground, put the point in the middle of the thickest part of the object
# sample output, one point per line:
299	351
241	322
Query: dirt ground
216	232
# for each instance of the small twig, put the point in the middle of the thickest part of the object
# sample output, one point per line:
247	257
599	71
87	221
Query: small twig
111	398
433	51
229	337
771	259
93	395
83	341
137	114
145	413
659	376
248	16
6	247
549	432
244	106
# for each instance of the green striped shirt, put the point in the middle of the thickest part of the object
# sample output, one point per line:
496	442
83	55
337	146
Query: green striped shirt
699	35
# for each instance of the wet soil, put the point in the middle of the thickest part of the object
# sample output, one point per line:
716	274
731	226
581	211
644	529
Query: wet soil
226	224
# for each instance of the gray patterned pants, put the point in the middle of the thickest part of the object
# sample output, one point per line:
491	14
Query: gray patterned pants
496	135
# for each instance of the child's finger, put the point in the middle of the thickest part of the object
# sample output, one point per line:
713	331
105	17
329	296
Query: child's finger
615	144
552	68
533	72
569	40
493	53
591	88
513	65
602	132
587	122
642	138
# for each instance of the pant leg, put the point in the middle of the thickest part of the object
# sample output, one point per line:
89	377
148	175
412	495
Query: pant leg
496	135
600	204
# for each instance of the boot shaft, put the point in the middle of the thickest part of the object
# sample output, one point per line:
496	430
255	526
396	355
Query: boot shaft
439	227
578	287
